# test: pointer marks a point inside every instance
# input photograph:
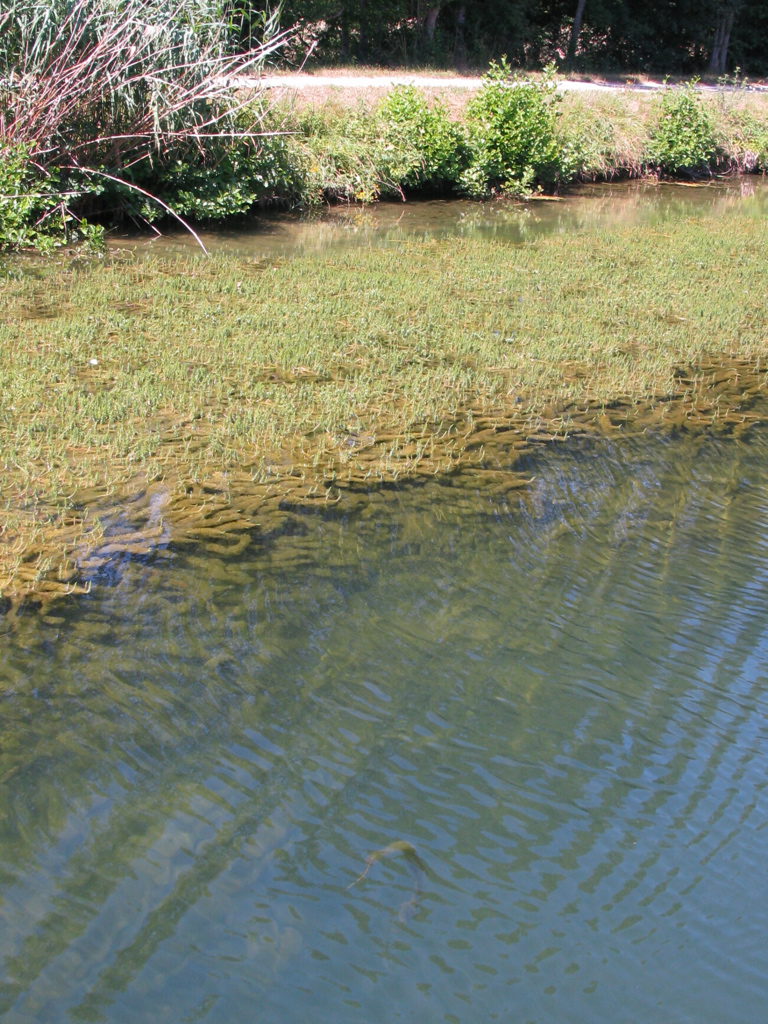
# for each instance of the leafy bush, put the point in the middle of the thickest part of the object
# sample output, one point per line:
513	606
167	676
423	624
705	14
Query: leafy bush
105	91
683	138
229	179
334	153
24	200
422	147
34	208
513	141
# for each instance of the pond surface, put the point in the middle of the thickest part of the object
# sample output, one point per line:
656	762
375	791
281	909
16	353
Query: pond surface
558	698
611	205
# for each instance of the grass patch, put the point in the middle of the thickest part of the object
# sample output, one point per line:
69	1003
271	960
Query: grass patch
605	135
342	368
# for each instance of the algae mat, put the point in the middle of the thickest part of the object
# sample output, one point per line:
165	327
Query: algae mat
152	402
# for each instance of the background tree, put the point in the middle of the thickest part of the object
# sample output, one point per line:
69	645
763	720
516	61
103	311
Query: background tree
682	37
573	43
724	24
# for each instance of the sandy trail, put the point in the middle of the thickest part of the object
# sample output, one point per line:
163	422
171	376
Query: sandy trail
303	82
306	82
349	88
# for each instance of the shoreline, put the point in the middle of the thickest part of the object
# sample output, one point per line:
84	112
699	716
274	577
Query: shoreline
183	398
228	511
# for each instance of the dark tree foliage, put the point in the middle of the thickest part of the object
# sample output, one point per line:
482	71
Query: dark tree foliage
668	36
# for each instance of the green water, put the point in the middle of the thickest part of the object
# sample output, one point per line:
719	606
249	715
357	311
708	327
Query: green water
610	205
557	697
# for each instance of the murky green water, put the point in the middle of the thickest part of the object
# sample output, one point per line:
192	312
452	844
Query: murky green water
621	203
559	698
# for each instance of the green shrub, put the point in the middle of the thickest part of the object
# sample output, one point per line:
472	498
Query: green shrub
422	147
24	200
228	181
683	139
35	207
334	152
513	143
95	91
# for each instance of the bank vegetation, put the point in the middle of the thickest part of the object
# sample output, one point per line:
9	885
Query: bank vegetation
135	113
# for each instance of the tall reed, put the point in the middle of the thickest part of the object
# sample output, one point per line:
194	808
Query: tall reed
96	89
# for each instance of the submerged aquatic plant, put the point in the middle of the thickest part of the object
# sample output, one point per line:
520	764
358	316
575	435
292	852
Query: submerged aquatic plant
416	866
340	367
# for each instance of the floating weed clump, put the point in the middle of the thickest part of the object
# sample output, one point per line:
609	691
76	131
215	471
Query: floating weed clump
230	387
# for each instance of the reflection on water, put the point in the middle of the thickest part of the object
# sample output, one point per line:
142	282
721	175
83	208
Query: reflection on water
636	202
559	700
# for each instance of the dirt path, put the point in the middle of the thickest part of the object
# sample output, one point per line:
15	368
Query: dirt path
306	82
320	85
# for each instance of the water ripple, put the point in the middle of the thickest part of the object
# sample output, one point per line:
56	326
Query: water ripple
559	703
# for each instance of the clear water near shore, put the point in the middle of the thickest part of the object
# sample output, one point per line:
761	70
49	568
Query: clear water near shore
558	699
557	696
609	204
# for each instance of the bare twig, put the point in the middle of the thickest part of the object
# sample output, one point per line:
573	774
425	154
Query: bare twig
118	85
143	191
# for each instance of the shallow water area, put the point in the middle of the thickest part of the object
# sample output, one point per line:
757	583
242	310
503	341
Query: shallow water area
281	235
557	697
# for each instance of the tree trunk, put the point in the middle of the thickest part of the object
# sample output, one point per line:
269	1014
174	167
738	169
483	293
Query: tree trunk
573	42
430	21
362	46
460	42
345	41
726	18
